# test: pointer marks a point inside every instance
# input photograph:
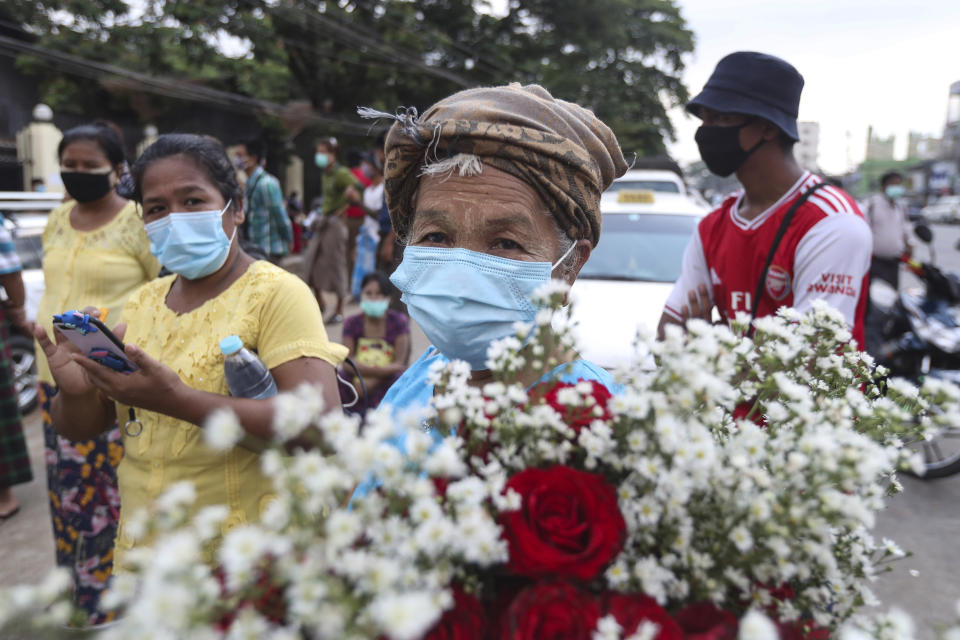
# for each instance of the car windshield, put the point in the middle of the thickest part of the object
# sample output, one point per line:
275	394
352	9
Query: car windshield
640	247
664	186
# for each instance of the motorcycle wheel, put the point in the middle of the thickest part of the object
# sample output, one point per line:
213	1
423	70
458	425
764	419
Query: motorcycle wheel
941	454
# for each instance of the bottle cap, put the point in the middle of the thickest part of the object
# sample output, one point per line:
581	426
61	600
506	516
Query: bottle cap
230	344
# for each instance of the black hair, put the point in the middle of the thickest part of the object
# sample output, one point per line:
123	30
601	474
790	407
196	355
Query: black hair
354	157
256	148
382	139
105	134
207	154
888	176
386	288
330	143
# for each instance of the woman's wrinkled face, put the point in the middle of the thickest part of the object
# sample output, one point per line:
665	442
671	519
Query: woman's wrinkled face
493	213
177	184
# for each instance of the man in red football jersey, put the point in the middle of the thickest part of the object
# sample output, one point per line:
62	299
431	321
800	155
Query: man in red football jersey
786	239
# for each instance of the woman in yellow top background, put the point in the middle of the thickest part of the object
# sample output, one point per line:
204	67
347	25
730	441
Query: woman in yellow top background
95	252
172	327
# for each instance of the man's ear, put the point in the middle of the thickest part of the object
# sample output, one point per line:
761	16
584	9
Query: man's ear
582	250
770	131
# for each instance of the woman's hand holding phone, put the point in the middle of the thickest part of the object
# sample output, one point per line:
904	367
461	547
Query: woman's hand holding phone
62	356
70	377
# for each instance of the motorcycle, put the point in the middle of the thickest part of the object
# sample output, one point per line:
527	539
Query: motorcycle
915	334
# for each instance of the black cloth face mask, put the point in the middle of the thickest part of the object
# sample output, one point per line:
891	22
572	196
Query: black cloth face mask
720	148
86	187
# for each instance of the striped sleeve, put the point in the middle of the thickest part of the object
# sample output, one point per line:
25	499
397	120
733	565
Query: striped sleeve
9	260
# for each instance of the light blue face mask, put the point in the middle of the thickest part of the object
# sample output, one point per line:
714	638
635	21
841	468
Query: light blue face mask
191	244
895	191
375	308
464	300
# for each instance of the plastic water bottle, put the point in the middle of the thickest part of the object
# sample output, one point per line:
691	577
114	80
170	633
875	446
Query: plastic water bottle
247	376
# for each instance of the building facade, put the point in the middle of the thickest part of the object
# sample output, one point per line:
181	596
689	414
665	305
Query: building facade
807	150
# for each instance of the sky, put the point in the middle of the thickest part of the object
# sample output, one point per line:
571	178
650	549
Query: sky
884	63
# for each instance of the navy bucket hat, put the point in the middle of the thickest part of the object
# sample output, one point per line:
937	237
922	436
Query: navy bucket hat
754	84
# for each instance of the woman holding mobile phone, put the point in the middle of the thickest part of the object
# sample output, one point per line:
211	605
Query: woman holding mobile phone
95	252
192	208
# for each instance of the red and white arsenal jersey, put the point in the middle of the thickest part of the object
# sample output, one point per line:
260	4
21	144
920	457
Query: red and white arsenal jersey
824	255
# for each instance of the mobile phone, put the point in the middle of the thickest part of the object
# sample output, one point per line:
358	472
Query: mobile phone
94	339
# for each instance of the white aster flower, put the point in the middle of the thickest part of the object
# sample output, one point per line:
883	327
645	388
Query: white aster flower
222	430
208	520
757	626
405	616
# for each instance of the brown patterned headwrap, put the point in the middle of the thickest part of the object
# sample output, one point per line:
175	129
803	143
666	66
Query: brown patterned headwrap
559	148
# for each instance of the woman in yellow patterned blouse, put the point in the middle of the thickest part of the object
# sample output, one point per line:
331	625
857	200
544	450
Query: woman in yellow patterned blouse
95	253
192	207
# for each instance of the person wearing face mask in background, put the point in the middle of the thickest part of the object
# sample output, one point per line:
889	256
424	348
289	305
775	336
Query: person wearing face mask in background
378	339
788	238
365	254
95	252
891	230
356	214
172	326
326	261
268	226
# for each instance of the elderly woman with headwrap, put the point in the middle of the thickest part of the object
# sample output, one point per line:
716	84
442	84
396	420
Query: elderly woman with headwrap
495	191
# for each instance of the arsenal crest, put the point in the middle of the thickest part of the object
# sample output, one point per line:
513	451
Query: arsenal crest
778	282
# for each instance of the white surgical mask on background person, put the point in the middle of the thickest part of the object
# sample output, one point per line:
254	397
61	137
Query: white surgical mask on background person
191	244
464	300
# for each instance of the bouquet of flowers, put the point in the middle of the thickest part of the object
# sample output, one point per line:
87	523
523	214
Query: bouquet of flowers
730	489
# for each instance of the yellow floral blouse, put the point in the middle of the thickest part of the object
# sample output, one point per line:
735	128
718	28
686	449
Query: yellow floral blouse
274	313
98	268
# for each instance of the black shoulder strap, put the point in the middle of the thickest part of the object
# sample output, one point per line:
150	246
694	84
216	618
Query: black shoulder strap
787	219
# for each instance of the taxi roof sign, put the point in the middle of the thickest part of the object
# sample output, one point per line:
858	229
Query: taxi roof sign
635	196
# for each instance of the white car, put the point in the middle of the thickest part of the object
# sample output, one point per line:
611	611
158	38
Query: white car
656	180
24	214
630	273
946	209
27	231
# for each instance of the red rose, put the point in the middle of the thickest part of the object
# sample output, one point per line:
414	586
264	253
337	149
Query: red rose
704	621
555	610
802	630
465	621
631	610
580	416
569	524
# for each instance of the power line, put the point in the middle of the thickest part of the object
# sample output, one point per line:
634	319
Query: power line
442	37
161	86
351	37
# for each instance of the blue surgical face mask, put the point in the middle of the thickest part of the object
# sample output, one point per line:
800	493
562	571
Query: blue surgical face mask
191	244
895	191
464	300
374	308
321	160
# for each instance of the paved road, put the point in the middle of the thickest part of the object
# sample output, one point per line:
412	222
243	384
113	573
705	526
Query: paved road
925	519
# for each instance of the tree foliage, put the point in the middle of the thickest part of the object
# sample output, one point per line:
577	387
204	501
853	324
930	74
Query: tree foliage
622	58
